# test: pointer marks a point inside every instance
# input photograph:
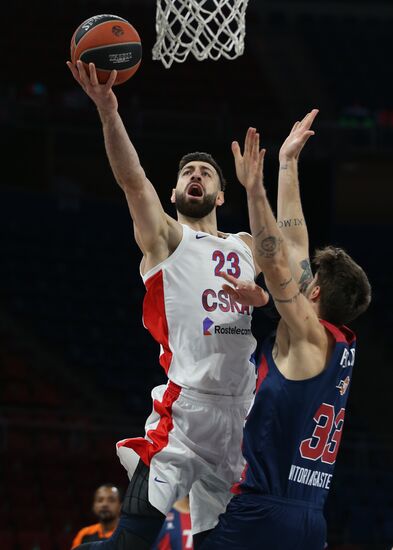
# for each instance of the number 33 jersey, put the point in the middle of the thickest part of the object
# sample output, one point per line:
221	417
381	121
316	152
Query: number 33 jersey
293	430
204	335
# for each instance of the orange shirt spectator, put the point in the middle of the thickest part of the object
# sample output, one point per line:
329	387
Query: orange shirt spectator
107	508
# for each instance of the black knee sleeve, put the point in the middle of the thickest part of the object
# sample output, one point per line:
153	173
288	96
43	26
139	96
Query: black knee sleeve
136	499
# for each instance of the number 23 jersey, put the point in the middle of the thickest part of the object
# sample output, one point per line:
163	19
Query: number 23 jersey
204	335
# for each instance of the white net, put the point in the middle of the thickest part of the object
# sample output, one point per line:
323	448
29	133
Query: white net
206	28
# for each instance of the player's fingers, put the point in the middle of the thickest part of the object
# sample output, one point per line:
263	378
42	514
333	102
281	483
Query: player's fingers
306	135
261	158
111	80
255	151
243	285
265	297
236	150
309	119
93	74
304	119
295	126
230	291
73	70
312	117
228	278
248	141
82	73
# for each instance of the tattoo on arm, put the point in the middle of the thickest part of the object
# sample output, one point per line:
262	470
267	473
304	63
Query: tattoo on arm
288	300
284	284
283	166
262	230
306	276
290	222
269	246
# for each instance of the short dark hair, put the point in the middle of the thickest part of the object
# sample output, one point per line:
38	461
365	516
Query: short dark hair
345	289
203	157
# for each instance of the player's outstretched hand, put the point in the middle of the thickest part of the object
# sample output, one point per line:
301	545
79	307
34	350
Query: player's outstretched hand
249	165
101	94
246	293
300	133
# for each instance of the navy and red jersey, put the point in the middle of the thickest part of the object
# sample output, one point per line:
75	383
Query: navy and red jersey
293	430
175	533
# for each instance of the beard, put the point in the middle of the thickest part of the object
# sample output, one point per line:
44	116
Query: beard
106	516
198	209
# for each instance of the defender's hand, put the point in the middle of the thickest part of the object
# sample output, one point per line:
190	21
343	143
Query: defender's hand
300	133
246	293
249	165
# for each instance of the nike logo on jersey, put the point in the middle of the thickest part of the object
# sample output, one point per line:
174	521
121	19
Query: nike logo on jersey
159	480
197	236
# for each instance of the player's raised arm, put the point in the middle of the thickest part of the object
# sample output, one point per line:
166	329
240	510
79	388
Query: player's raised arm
269	245
290	217
154	228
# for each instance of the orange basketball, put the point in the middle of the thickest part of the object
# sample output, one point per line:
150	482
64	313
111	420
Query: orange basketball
110	42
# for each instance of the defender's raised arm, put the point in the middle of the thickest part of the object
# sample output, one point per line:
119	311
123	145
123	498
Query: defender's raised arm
269	245
290	217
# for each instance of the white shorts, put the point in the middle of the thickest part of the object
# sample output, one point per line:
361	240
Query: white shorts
192	446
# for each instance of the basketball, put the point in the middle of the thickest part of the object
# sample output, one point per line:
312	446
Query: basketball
110	42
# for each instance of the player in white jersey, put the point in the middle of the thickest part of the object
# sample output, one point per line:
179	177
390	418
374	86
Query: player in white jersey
193	436
199	324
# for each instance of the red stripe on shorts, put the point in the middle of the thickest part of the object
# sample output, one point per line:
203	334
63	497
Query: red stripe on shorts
158	438
236	488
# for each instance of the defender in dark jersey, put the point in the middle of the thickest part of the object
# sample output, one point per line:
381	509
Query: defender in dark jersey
293	430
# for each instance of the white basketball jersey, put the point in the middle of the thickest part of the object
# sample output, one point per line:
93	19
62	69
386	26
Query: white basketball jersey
205	336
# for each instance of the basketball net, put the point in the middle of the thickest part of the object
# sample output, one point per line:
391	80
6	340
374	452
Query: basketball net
206	28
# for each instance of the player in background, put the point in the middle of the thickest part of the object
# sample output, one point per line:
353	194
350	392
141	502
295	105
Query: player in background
193	435
176	532
293	431
107	508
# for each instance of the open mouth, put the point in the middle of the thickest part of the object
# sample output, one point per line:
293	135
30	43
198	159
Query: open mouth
195	190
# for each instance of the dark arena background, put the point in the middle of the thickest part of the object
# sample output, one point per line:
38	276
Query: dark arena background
76	364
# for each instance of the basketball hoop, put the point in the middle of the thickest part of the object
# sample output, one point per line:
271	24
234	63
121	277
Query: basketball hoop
206	28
